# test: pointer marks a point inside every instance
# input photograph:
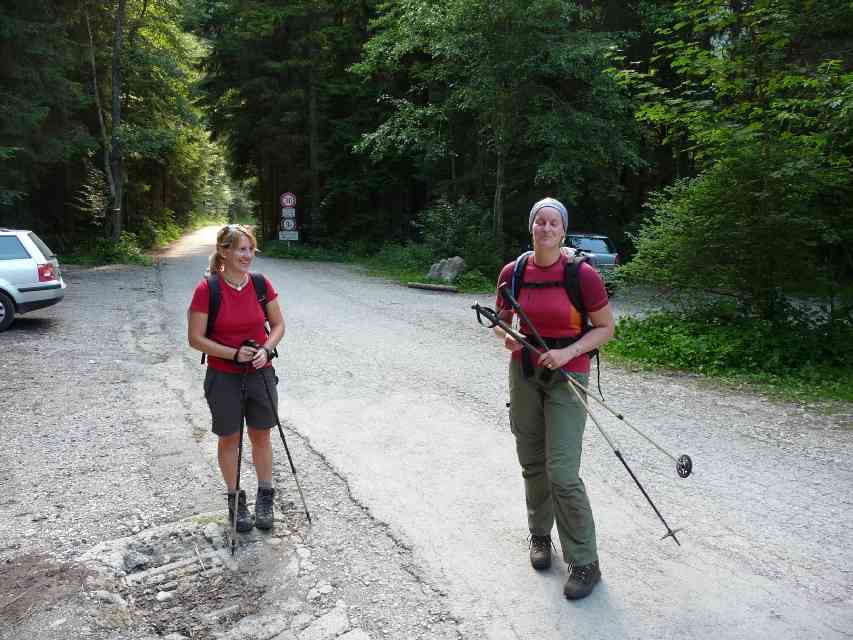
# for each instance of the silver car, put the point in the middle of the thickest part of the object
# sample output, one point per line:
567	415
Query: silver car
600	250
29	275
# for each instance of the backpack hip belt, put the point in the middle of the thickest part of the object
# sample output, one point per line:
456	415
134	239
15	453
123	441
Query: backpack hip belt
553	343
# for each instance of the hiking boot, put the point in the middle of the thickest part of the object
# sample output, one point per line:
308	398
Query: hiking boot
245	522
263	508
582	581
540	552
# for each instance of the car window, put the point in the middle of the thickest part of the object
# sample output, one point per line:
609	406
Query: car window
594	245
41	245
12	249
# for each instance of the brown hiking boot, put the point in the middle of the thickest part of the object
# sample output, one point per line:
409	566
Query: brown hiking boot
540	551
582	581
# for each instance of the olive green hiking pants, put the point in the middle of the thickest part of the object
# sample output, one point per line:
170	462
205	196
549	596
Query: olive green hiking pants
548	420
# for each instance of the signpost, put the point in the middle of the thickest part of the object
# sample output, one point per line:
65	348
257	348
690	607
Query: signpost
287	229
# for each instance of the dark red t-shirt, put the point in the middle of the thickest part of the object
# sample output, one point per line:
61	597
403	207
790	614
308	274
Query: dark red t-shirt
549	308
239	318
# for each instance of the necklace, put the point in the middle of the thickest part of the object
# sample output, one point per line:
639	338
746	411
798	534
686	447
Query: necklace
235	285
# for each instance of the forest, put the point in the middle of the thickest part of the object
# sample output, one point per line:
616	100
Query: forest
710	139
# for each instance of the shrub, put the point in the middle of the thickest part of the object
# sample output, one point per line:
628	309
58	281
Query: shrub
804	349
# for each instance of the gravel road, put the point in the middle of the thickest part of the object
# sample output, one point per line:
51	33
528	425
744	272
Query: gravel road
393	403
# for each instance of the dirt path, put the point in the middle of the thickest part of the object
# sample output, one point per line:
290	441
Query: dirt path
112	519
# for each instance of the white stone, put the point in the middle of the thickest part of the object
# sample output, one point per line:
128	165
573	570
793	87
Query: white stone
109	596
163	596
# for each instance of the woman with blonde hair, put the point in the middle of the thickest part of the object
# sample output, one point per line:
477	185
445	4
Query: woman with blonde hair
240	319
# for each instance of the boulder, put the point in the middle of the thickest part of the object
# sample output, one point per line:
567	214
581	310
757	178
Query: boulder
447	269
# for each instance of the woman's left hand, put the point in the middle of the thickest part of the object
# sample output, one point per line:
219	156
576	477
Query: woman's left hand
556	358
260	358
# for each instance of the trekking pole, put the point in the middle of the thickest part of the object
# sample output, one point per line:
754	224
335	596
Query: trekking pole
284	442
683	464
243	394
495	320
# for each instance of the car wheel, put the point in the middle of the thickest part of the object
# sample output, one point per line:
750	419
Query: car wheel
7	311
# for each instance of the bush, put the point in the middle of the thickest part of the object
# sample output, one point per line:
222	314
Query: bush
475	282
408	257
160	230
804	351
128	250
464	229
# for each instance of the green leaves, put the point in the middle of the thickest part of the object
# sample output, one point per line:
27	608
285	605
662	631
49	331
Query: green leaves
760	120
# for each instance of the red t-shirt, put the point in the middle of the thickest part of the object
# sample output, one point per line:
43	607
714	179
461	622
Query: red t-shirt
239	318
549	308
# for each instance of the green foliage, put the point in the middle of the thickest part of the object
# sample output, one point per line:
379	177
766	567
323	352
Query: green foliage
495	99
765	115
473	281
804	353
52	173
462	228
128	250
93	196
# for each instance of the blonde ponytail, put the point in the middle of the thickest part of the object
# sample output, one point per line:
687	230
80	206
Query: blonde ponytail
215	264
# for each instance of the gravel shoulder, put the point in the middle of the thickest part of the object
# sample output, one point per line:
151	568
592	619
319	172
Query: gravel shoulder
112	525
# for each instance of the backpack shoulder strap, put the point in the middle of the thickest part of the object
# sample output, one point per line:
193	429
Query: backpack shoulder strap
214	298
572	283
518	273
260	290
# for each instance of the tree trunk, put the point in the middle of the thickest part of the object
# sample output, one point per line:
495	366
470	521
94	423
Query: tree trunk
104	138
116	153
498	218
317	224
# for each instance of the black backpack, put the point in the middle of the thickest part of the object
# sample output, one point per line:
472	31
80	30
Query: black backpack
571	283
213	285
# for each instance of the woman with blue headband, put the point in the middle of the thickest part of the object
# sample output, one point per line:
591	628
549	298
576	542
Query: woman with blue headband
546	416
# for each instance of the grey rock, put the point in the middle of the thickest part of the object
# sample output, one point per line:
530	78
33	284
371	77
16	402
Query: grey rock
134	560
355	634
448	269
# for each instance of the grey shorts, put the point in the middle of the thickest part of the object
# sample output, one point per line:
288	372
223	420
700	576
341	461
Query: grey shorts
222	391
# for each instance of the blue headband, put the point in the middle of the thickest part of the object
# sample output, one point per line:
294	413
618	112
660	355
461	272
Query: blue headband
554	204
